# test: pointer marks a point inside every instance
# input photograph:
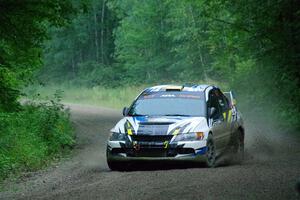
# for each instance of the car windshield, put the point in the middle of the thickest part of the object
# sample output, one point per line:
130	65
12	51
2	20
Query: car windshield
169	104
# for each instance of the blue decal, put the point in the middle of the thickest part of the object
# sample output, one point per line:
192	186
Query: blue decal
201	151
141	118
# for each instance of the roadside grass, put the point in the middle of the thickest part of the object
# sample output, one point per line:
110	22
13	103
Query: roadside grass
32	137
99	96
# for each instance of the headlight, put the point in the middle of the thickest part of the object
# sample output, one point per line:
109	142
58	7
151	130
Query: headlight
117	137
189	136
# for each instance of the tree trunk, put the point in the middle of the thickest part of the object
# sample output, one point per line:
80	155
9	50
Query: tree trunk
199	47
73	66
96	34
102	31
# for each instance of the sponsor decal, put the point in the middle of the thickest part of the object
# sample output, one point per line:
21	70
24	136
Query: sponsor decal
189	96
129	131
176	131
184	94
167	95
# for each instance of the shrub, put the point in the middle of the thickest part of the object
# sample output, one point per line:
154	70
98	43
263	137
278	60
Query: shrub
32	136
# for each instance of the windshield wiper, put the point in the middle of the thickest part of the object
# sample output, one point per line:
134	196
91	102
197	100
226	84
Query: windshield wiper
136	115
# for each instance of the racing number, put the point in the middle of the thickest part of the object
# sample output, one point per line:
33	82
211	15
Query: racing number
166	144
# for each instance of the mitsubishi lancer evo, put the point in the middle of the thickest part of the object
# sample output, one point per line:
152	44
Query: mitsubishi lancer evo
194	123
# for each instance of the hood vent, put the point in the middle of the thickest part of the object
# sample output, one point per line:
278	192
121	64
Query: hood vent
153	129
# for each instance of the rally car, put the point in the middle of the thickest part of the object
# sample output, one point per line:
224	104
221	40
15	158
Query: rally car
194	123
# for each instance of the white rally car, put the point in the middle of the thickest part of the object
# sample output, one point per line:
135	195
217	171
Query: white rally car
177	123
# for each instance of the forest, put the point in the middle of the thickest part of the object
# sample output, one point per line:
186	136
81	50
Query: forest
249	46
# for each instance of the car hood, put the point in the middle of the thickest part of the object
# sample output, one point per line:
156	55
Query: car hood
161	125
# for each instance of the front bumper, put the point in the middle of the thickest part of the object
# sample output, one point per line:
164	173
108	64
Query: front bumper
188	151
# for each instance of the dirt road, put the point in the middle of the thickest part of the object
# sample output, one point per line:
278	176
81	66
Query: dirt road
271	170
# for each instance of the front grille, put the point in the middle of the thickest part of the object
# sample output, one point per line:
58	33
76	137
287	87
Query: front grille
118	150
151	138
185	151
151	153
158	152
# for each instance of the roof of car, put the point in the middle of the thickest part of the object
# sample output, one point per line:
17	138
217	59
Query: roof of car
190	88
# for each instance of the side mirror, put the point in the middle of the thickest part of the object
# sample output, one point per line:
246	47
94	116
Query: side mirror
125	111
212	112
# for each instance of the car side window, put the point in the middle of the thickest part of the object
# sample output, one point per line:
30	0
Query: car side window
223	102
214	102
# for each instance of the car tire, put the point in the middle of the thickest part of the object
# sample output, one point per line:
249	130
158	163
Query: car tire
115	165
211	152
238	147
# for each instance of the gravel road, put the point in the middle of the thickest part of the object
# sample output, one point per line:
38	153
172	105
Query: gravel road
270	171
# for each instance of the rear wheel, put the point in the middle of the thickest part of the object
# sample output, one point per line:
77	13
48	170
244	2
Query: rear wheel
211	152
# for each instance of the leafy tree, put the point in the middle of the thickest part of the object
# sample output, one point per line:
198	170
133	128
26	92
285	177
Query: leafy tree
22	32
76	49
252	45
263	43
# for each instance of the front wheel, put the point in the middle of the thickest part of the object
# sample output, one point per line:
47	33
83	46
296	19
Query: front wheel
211	152
116	166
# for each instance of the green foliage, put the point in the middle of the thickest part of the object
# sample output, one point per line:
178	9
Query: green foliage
141	46
22	33
87	41
266	35
253	46
93	74
33	136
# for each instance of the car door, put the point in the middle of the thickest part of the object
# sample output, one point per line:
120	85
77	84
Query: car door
227	117
232	105
217	121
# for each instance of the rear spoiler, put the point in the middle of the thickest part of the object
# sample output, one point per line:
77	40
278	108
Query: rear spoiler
231	97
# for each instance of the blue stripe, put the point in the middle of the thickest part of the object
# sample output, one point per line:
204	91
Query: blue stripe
140	118
201	151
